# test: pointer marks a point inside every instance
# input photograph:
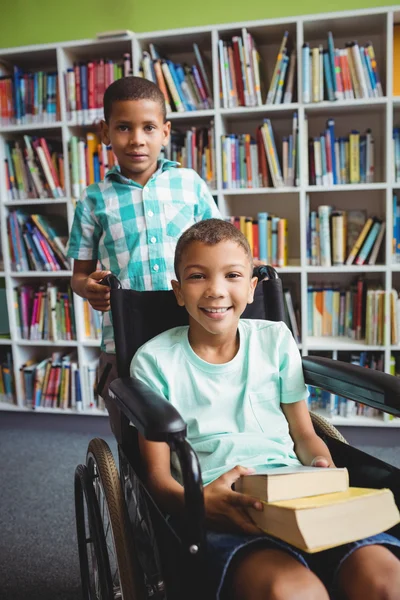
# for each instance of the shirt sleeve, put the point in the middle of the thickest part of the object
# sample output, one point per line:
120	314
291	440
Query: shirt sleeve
145	368
85	233
206	206
292	386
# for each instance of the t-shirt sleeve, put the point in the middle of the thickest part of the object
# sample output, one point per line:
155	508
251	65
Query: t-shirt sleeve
293	388
206	206
144	367
85	233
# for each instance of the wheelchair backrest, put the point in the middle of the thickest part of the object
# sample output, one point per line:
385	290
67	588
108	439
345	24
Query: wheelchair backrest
139	316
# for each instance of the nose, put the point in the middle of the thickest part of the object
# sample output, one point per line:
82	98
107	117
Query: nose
216	288
136	137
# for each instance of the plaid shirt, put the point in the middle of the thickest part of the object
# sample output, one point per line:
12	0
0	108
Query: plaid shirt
133	230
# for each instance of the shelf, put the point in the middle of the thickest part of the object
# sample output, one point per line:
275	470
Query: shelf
91	343
348	269
396	101
47	343
30	127
5	341
36	201
348	187
195	114
240	111
94	412
345	105
41	274
263	190
339	343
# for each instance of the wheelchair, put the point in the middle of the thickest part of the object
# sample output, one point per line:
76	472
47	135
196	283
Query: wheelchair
127	547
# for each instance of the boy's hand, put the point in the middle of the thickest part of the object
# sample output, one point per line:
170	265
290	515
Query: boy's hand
225	509
97	294
321	461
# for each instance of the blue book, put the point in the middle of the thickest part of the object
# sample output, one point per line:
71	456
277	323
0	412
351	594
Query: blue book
324	168
331	130
96	168
263	235
310	310
305	73
369	242
328	77
180	73
78	390
394	216
17	95
331	51
363	159
398	231
367	61
171	67
84	89
274	257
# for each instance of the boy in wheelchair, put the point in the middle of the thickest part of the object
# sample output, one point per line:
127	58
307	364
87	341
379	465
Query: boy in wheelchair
239	386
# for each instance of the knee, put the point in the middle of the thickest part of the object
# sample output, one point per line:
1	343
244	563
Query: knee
385	585
307	586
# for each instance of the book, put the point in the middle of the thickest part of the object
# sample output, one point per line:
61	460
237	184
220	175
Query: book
287	483
316	523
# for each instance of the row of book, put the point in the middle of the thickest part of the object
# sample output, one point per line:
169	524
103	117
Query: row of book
7	384
339	74
58	382
357	312
335	161
35	243
34	168
249	163
242	76
92	320
195	149
28	97
45	312
333	405
85	84
396	154
185	87
339	237
267	236
89	161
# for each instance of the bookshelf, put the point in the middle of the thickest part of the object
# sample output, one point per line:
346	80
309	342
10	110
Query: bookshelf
381	114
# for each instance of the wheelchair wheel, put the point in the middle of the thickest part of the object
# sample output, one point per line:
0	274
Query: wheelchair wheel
126	577
93	559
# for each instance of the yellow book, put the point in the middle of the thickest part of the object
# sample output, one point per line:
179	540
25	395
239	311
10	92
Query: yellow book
92	143
282	243
396	60
224	161
249	233
86	318
359	242
242	224
316	523
354	157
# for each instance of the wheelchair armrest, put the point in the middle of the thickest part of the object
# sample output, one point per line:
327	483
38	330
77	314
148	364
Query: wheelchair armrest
372	388
155	418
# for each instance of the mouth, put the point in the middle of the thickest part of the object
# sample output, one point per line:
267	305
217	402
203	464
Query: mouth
216	313
136	157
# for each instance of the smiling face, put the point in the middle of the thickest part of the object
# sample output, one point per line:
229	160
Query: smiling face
136	131
215	286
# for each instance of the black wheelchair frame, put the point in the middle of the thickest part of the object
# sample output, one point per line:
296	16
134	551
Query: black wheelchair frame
145	557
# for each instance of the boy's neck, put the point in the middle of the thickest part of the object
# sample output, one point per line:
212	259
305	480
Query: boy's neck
140	178
214	349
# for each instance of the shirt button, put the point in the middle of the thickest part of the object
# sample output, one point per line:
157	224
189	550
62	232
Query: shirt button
156	267
150	213
153	240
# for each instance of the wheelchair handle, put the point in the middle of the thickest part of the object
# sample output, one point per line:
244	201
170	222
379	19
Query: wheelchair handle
111	281
265	272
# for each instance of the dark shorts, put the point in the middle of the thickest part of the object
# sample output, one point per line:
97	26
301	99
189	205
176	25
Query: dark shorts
223	547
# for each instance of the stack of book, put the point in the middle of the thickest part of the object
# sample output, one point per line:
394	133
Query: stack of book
339	237
7	384
249	163
396	154
332	405
195	149
27	97
185	87
314	508
334	161
357	313
89	161
34	243
44	312
92	321
267	236
339	74
34	169
241	73
85	84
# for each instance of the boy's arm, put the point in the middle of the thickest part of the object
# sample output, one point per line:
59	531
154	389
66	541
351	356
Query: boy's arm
85	282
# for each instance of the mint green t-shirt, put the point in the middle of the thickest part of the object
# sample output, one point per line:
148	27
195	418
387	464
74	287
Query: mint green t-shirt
232	410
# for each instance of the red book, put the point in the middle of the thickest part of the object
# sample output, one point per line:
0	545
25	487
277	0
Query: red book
100	83
249	181
67	318
338	75
236	222
238	71
256	247
91	91
77	72
262	159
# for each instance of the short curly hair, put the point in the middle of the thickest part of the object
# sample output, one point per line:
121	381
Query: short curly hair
132	88
211	232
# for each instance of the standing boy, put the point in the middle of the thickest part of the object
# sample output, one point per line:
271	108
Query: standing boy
131	221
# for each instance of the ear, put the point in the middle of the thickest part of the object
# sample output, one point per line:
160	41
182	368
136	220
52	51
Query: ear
176	286
166	132
253	285
105	135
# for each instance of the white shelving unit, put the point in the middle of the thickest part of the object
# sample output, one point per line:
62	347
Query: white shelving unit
380	114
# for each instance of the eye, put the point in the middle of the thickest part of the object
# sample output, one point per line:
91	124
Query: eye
196	276
233	275
123	128
149	128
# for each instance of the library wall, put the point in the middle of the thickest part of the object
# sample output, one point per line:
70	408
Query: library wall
25	22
